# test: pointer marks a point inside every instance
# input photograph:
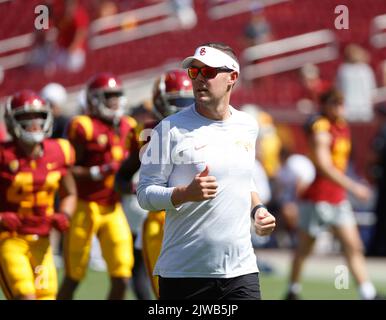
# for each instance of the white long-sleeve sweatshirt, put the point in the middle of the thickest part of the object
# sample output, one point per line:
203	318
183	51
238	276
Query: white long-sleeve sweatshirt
209	238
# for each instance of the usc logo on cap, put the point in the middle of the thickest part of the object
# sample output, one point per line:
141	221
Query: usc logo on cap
202	51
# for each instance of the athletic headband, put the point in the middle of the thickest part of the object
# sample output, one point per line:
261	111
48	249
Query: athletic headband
213	58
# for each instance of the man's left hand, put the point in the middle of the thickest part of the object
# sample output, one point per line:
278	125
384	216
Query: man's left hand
264	222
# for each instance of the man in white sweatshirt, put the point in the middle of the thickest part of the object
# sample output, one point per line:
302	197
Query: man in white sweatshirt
198	167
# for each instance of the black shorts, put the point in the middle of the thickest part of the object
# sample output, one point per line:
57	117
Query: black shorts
245	287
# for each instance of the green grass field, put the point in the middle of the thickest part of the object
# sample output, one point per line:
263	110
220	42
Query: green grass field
273	288
96	285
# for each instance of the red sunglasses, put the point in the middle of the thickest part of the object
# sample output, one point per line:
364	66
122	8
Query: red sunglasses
207	72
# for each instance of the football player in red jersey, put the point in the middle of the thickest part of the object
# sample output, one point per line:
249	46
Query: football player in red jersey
32	169
172	91
325	203
100	140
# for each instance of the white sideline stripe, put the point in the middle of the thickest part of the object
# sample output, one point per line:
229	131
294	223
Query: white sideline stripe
318	266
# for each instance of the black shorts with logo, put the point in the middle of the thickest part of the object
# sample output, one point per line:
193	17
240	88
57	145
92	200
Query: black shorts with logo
245	287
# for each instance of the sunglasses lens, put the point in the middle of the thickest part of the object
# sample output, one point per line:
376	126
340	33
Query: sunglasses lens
209	72
193	73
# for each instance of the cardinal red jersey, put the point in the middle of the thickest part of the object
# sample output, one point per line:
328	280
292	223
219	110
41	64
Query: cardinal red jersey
102	144
323	189
28	186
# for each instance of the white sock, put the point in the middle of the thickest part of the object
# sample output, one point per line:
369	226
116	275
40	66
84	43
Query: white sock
367	291
295	287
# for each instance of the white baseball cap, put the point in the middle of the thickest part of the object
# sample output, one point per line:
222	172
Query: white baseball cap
213	58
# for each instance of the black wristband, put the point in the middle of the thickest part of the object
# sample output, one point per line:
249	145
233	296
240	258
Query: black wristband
253	212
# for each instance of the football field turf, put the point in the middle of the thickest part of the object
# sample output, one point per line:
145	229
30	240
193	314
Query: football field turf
96	285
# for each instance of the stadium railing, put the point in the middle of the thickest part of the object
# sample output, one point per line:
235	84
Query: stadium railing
378	41
289	54
221	9
132	25
378	31
15	51
104	32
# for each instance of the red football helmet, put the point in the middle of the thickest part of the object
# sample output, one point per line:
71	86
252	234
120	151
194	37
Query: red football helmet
172	92
24	109
101	90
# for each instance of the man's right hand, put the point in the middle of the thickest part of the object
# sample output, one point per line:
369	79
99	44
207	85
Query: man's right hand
203	187
9	221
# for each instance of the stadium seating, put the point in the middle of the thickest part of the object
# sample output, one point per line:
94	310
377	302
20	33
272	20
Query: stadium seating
287	18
